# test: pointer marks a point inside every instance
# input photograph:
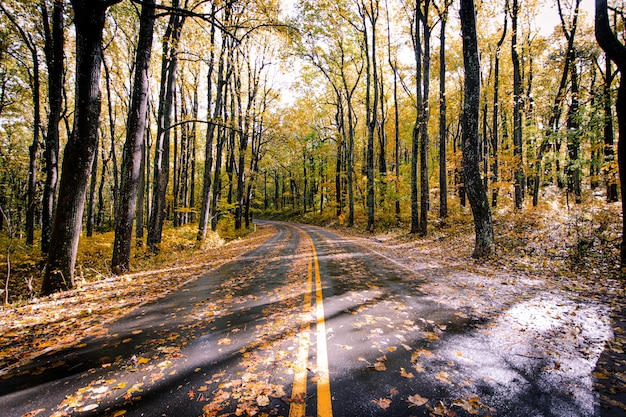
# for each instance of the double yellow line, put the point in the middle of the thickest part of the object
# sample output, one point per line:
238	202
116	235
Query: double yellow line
298	395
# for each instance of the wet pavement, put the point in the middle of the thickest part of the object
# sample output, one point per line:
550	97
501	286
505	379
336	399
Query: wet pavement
250	338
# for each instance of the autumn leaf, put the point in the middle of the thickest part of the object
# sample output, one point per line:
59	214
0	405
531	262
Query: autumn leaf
263	400
405	374
417	400
142	360
379	366
472	405
441	410
224	341
383	403
443	377
121	385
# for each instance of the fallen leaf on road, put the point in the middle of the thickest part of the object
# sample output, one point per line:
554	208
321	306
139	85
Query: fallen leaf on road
383	403
263	400
417	400
443	377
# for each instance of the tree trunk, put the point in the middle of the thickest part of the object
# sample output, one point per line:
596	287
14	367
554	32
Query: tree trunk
616	51
573	143
609	153
54	60
425	114
495	139
133	147
162	151
91	197
371	103
476	192
443	129
517	111
81	146
210	132
417	51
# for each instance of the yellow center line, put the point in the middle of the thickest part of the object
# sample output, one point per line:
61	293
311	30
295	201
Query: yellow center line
298	394
324	404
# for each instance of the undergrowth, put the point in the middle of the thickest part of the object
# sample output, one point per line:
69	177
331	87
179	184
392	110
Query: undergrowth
178	246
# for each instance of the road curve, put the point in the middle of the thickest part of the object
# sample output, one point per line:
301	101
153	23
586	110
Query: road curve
307	324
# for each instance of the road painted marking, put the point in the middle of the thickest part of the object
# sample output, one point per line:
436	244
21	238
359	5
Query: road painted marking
298	394
324	404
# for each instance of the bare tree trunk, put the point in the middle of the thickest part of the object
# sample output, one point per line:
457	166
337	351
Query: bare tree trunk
443	124
54	60
609	153
417	50
495	132
79	151
91	197
517	111
425	114
370	13
133	147
476	192
162	151
616	51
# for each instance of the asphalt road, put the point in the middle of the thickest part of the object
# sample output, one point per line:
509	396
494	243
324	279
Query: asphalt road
307	324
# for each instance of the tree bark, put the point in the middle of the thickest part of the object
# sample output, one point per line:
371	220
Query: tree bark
475	189
443	128
133	147
425	114
616	52
417	50
81	146
609	134
162	152
517	110
495	139
54	60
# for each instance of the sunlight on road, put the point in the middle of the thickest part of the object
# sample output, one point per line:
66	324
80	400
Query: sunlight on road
548	341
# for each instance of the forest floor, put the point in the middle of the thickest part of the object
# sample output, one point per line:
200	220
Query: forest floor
548	259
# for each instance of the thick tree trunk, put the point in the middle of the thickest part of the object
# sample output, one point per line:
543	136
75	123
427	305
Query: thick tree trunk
133	147
476	192
162	151
210	133
81	146
616	52
417	50
54	61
